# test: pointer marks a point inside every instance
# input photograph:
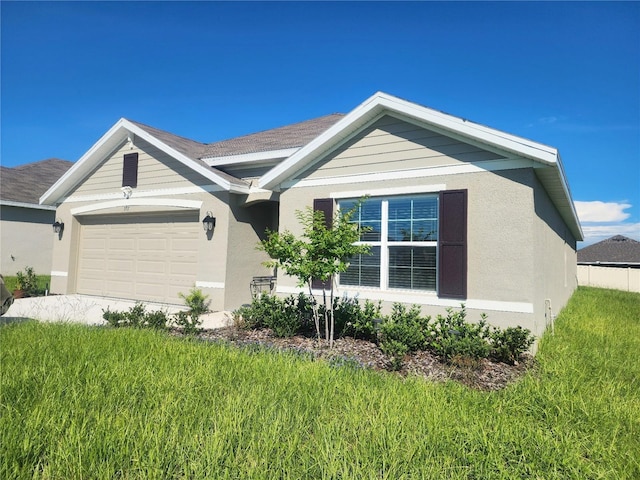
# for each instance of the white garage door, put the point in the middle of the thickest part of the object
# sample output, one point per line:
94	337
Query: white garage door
150	257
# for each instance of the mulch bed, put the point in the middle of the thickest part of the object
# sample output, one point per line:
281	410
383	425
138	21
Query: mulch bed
483	374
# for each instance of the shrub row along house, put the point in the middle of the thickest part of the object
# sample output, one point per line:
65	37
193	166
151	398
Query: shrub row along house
459	212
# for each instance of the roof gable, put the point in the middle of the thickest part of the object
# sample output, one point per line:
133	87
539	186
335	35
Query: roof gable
119	133
380	104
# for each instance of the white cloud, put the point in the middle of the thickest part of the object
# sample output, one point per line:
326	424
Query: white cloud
602	211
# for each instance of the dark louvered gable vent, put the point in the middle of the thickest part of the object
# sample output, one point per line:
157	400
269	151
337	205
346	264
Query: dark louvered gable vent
325	205
130	170
452	268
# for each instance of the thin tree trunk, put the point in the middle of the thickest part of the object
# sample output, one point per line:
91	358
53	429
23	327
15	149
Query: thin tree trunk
333	321
326	319
314	307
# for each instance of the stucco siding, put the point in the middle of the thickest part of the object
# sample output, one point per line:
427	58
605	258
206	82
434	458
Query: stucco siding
247	225
556	260
26	239
391	144
500	230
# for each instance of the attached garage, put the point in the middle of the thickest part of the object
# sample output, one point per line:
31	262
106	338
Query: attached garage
150	257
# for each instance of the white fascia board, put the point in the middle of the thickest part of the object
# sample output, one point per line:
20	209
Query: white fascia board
114	136
224	183
255	157
33	206
502	140
336	134
380	103
117	134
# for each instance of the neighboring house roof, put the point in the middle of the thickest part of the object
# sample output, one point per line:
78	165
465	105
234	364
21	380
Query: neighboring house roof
292	148
23	185
617	249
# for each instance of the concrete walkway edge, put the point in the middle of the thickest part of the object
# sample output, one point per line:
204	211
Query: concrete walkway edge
88	310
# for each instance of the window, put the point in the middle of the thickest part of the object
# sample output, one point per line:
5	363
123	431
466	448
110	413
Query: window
403	234
130	170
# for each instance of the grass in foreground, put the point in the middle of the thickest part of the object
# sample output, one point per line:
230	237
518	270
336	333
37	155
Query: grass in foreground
81	402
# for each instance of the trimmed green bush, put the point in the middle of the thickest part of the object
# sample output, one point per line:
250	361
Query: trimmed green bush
136	317
354	320
509	344
452	335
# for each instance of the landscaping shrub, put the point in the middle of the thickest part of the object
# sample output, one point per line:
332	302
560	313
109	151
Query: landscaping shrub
115	319
396	350
27	281
137	317
405	326
189	322
285	317
196	301
507	345
452	335
353	320
285	320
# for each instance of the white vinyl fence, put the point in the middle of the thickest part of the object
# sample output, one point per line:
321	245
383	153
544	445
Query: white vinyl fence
621	277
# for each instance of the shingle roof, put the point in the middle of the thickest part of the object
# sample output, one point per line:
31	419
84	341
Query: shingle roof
186	146
618	249
289	136
26	183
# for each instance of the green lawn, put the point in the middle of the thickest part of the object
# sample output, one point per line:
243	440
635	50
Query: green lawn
88	402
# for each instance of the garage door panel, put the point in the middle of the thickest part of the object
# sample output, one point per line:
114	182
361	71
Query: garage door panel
139	257
153	245
118	266
150	266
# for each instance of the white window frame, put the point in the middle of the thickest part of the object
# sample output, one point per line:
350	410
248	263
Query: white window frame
385	244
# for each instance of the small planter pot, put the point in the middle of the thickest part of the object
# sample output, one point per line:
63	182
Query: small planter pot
19	294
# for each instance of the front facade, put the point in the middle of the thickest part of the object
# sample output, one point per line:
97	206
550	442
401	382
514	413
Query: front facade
459	213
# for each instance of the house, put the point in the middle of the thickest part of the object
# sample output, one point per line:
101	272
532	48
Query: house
611	263
25	225
460	213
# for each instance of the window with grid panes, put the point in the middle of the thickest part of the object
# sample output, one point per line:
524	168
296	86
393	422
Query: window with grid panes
403	233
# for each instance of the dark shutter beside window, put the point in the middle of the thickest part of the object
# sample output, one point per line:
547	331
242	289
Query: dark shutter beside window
452	268
130	170
325	205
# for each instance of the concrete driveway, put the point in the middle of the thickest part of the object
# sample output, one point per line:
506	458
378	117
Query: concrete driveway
88	309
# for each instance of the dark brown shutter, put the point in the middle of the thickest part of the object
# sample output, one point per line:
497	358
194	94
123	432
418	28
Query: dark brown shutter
325	205
452	267
130	170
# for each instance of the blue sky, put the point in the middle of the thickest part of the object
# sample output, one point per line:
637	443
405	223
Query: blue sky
563	74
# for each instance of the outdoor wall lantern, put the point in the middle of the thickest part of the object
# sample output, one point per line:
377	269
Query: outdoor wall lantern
208	222
58	226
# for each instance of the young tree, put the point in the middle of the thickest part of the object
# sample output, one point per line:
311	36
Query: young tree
320	253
